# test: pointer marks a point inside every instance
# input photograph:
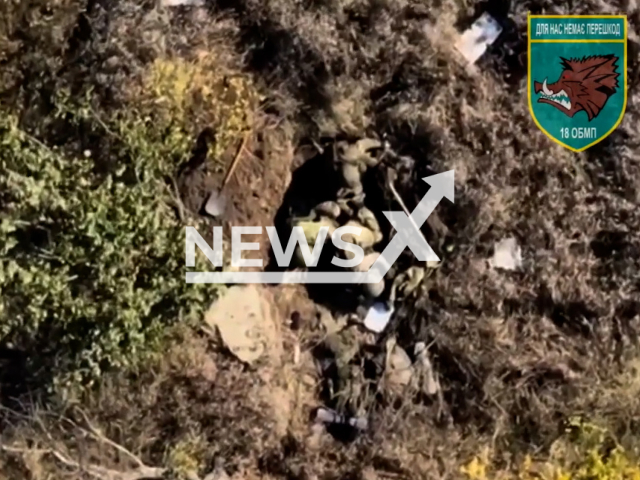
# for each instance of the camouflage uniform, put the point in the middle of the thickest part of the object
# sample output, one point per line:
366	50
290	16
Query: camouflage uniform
407	282
311	225
354	160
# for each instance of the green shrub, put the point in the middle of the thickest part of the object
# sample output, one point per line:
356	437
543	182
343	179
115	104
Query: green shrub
91	263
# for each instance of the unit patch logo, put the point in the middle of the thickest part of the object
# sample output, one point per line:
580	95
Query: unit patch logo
577	82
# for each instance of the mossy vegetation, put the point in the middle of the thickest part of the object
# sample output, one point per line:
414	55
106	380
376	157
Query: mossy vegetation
92	247
191	94
584	452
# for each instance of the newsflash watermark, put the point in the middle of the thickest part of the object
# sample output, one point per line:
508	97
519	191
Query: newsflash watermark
406	226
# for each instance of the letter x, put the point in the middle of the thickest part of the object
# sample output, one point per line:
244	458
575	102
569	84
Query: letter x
407	235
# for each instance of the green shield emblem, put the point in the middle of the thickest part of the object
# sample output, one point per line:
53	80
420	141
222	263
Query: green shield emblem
577	82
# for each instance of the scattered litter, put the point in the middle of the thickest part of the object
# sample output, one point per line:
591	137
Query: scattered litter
324	415
507	255
474	41
216	204
243	318
378	317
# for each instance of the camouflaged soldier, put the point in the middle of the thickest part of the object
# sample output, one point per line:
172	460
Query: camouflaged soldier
323	215
407	282
370	233
354	160
347	388
369	237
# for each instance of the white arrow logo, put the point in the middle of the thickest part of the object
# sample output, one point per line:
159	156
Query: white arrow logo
408	228
407	235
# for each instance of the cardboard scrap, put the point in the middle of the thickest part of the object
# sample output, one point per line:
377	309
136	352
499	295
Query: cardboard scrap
244	319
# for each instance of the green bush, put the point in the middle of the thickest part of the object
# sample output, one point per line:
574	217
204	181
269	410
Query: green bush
91	263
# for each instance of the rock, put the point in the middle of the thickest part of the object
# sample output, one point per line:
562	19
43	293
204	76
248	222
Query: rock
507	255
297	352
243	318
369	473
369	220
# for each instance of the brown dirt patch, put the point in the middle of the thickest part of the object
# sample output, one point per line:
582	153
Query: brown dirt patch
260	182
256	187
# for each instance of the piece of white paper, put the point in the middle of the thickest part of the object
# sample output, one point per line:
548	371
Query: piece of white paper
378	317
474	41
507	255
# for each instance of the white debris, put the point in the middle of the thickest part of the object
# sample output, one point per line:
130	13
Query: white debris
216	204
474	41
378	317
507	255
177	3
324	415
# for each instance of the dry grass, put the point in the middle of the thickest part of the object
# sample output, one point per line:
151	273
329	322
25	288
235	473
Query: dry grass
518	355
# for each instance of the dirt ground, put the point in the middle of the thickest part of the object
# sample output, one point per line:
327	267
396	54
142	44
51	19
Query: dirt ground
517	354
